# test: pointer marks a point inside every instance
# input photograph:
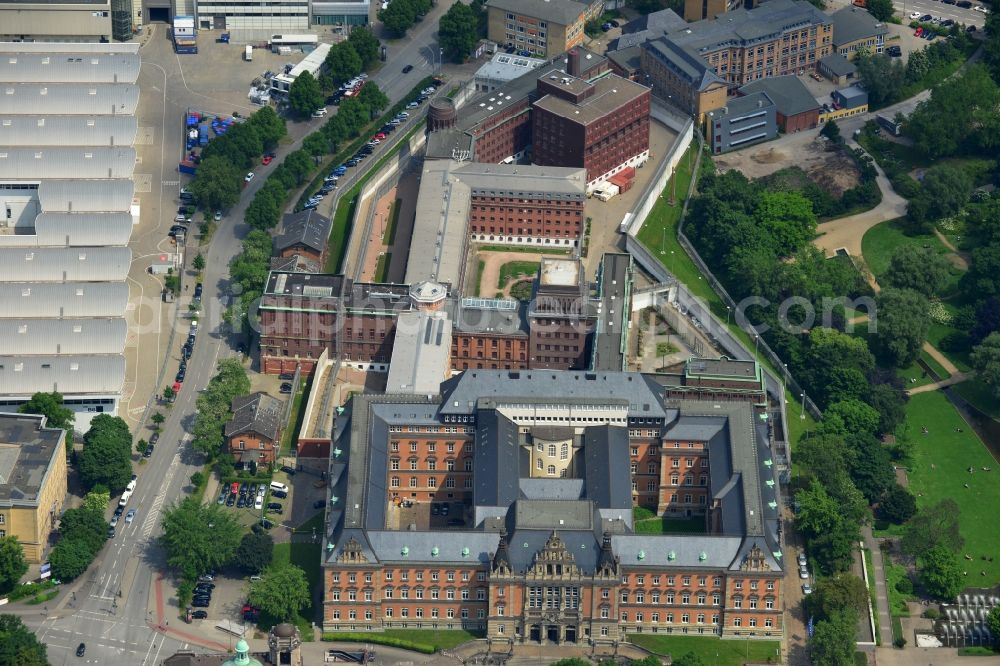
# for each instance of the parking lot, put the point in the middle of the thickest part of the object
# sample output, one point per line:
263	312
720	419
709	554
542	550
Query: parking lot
427	515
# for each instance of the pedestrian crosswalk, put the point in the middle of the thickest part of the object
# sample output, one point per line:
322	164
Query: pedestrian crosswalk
153	513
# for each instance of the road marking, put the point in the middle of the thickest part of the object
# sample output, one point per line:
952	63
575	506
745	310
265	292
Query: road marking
170	183
154	509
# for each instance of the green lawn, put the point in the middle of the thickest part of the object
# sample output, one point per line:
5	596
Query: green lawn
316	522
710	649
390	232
670	526
513	269
976	651
521	248
952	453
897	600
479	275
307	557
291	431
979	396
882	239
444	639
382	267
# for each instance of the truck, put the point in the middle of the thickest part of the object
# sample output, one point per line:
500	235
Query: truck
187	166
248	53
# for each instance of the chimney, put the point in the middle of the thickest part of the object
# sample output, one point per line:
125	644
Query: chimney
573	63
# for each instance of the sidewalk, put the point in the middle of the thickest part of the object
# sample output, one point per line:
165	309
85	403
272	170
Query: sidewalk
881	598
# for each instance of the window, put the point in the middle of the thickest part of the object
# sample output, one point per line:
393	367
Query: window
388	612
394	482
737	602
432	482
395	463
564	452
551	470
753	602
552	450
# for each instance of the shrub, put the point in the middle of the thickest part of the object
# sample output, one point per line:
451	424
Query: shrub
932	614
900	642
905	586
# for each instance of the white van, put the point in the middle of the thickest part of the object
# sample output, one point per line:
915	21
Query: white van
279	486
125	497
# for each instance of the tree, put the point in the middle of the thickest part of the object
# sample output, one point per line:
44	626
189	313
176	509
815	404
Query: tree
254	553
831	130
787	219
857	416
18	645
883	78
983	276
316	144
231	379
457	32
880	9
871	468
890	403
944	190
71	557
987	319
818	512
199	537
97	500
263	212
373	98
365	44
832	642
50	405
169	393
917	268
985	359
903	322
197	479
158	418
897	505
836	593
941	573
216	186
934	525
399	16
993	622
198	263
343	62
281	592
969	101
304	95
12	563
106	457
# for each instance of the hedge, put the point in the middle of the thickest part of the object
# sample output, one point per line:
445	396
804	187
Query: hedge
377	639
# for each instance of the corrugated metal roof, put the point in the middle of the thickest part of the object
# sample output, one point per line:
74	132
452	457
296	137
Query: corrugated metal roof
68	130
34	337
68	99
102	196
68	47
63	299
84	163
72	230
96	264
69	67
69	375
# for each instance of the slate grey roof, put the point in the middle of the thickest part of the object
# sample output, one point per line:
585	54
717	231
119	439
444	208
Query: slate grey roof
790	97
677	550
307	228
554	489
838	65
737	106
27	450
642	396
496	466
665	20
256	413
853	23
627	58
606	456
685	62
563	12
525	543
472	548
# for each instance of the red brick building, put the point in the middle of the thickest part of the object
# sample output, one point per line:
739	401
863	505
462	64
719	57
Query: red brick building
562	317
253	434
304	234
572	112
519	487
795	107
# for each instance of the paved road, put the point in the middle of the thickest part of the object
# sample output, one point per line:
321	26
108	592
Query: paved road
120	608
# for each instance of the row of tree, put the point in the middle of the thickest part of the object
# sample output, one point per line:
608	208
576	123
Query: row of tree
18	645
226	158
461	28
249	269
203	537
214	403
82	533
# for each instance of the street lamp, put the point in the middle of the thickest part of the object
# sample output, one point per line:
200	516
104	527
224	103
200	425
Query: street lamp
729	311
756	342
802	410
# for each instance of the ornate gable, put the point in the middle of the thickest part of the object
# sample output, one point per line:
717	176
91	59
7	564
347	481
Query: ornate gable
352	553
754	560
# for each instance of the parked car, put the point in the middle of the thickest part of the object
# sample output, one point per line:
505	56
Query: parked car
914	15
200	603
148	453
231	500
277	506
207	577
802	559
114	521
807	588
412	105
111	533
248	177
803	573
290	471
119	510
267	159
285	388
926	17
199	615
280	494
971	28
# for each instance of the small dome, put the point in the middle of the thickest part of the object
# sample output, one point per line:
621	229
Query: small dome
284	630
242	646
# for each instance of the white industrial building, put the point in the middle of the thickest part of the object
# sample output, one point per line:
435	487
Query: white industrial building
67	208
312	63
81	21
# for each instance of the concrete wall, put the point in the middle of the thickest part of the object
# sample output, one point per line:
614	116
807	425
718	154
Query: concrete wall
66	23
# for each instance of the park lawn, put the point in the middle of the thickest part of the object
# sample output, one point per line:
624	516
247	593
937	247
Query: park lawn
952	453
881	240
314	523
710	649
914	375
938	332
897	600
979	396
306	556
443	639
513	269
291	431
547	251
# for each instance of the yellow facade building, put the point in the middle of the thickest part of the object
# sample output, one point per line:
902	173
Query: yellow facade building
32	481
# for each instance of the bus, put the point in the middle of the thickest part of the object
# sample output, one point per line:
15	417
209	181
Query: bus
294	40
